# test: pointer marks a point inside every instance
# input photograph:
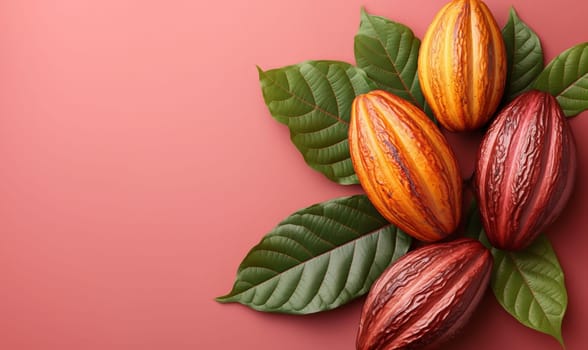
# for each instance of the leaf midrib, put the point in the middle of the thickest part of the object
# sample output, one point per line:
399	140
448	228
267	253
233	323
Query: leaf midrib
353	241
572	84
528	285
559	60
302	100
392	63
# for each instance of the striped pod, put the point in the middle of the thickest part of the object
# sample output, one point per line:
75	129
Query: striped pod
462	65
425	297
405	165
525	170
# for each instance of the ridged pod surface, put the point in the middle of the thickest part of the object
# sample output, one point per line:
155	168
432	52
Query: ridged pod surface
425	297
525	170
462	65
405	165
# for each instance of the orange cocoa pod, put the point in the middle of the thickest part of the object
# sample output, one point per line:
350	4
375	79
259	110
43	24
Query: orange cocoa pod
405	165
462	65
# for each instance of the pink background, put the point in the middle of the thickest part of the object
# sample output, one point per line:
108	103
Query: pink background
138	165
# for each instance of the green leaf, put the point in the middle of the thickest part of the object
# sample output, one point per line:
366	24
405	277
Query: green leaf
314	99
529	284
566	77
524	55
388	52
319	258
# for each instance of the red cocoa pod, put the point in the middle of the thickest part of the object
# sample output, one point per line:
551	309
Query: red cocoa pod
525	170
425	297
405	165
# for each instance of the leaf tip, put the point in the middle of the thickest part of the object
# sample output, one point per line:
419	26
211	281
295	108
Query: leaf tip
559	339
223	299
364	16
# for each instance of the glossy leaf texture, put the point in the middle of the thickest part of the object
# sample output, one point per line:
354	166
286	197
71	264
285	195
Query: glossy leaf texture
529	284
314	99
388	52
566	78
524	56
319	258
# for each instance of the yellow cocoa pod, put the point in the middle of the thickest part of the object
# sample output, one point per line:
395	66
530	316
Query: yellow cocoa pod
462	65
405	165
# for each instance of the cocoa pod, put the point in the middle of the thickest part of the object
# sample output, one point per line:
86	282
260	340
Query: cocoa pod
525	170
425	297
462	65
405	165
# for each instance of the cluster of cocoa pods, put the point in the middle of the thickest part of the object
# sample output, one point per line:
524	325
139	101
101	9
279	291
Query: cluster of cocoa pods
523	177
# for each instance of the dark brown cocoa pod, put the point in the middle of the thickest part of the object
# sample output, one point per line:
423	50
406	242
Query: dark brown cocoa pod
525	170
425	297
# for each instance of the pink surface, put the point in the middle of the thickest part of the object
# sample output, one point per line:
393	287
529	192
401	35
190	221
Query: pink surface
138	165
